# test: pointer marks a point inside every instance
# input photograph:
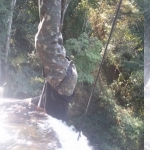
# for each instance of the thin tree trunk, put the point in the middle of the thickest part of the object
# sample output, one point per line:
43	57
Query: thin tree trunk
13	3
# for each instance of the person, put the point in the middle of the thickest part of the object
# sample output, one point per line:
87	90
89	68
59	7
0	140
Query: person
59	71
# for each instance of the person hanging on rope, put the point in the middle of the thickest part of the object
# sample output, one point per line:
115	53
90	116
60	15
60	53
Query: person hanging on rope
59	72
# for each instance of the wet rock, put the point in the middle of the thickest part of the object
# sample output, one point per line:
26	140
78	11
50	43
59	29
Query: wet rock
23	126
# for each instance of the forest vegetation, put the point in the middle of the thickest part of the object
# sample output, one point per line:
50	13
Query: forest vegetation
115	117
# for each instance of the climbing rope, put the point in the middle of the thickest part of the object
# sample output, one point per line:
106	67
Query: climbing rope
100	67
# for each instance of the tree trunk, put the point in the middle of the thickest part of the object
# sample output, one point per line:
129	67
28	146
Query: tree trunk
13	3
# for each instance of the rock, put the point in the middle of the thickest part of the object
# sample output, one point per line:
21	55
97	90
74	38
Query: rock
23	126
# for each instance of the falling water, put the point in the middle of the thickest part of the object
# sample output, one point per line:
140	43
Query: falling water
147	116
1	91
23	126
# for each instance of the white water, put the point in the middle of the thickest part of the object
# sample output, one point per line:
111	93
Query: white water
147	116
68	137
1	91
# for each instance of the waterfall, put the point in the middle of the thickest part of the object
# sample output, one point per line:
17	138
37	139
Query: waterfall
25	126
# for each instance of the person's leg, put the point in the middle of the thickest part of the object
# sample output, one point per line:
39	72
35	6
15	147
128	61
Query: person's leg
50	49
60	73
55	104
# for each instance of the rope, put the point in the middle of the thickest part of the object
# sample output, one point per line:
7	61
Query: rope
100	67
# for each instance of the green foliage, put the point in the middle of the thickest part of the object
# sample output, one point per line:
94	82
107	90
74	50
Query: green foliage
111	126
125	60
27	81
24	67
25	24
117	117
4	14
75	21
85	51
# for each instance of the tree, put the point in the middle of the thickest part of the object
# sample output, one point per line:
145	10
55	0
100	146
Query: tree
4	15
13	3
